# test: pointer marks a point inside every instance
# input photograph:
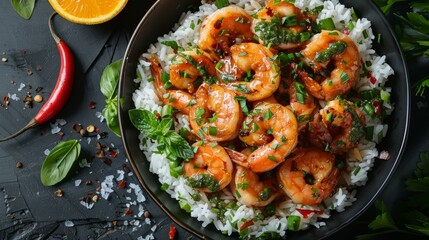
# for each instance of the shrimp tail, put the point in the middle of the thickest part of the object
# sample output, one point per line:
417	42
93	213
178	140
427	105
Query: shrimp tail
238	157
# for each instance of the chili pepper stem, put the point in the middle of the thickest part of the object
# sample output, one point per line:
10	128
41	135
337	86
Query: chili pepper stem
31	124
54	35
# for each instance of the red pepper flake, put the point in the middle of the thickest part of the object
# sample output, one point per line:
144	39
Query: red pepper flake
77	127
61	134
346	31
377	108
91	105
172	232
218	24
372	79
125	168
113	153
90	193
128	212
107	161
98	188
158	116
270	12
306	212
246	225
122	184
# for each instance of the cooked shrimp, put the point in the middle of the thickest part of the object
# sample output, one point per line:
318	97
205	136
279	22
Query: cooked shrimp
210	162
225	27
280	23
309	176
184	73
252	189
331	48
339	127
274	129
179	99
258	62
216	116
293	94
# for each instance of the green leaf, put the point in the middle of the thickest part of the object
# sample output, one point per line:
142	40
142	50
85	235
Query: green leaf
422	169
384	219
179	146
59	162
221	3
110	113
417	185
144	121
24	8
110	79
165	125
418	222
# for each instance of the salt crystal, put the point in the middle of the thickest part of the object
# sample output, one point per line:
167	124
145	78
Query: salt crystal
141	211
130	174
55	129
100	116
125	223
136	223
106	187
21	86
87	205
127	198
138	192
147	221
13	97
153	228
47	151
61	122
68	223
129	190
84	163
77	182
121	175
88	140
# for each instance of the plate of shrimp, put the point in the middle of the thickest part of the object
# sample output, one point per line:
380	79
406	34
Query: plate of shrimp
263	119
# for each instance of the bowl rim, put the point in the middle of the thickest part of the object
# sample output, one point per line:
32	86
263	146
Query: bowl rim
381	187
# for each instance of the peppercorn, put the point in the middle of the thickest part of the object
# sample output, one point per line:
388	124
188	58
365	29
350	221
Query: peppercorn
146	214
88	182
95	198
4	59
59	193
18	164
90	128
82	132
38	98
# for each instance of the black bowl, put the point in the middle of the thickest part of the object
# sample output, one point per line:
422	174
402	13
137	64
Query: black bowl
160	20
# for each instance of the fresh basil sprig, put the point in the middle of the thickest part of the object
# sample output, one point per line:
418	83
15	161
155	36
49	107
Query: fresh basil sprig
109	87
24	8
171	142
59	161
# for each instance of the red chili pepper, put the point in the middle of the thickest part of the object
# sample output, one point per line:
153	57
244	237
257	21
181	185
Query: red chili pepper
306	212
61	91
172	232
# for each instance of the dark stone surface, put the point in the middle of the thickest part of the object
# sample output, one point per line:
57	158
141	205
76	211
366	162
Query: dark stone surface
28	209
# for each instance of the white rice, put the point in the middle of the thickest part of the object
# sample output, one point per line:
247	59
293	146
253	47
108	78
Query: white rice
358	162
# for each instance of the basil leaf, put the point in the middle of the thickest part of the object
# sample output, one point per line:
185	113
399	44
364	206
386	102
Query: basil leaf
110	79
110	113
24	8
179	146
165	125
59	162
144	121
